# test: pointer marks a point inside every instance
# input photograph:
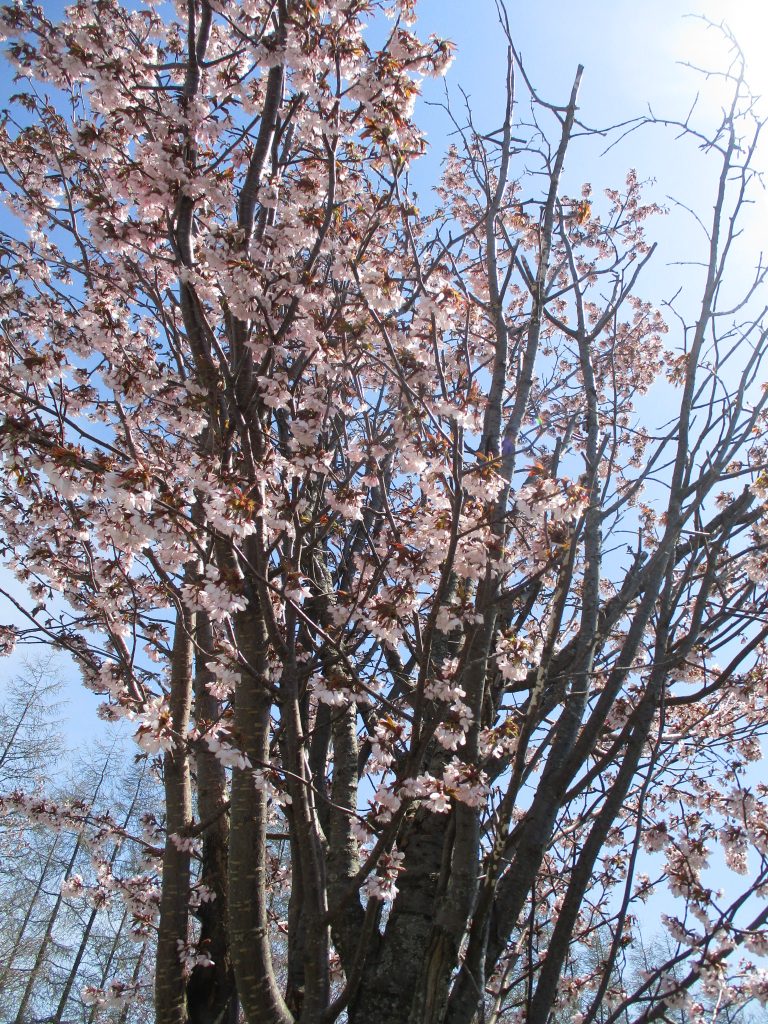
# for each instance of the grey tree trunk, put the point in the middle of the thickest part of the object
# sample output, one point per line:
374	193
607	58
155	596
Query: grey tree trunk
170	981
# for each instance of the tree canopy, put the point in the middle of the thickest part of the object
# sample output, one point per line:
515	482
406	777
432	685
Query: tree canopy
425	556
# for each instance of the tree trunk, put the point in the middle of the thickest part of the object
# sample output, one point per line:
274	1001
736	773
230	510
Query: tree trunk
170	982
257	986
211	993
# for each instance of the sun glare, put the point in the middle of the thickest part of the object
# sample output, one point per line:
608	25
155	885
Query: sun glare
700	43
704	45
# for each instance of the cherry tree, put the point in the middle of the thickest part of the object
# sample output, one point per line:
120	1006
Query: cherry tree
424	555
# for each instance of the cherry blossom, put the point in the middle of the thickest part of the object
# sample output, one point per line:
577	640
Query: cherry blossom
423	553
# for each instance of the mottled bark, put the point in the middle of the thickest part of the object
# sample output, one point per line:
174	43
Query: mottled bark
343	859
311	856
257	986
395	961
170	982
211	992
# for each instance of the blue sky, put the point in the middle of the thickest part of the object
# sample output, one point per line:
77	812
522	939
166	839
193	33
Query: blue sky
634	56
630	50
